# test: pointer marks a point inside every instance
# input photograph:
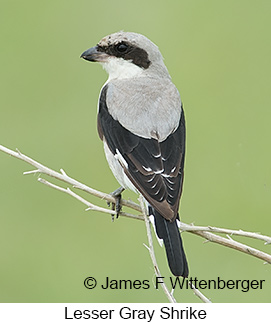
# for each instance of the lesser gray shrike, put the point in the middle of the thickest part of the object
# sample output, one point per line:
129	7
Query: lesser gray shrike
141	123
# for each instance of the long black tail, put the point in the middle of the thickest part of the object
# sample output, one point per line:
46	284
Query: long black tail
169	232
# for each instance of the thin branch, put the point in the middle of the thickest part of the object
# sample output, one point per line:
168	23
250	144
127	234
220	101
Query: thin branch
89	205
199	294
155	264
151	251
62	176
205	232
234	245
229	232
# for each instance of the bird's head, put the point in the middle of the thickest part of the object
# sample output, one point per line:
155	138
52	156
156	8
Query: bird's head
127	54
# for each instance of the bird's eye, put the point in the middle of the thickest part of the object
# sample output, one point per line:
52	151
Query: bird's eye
121	48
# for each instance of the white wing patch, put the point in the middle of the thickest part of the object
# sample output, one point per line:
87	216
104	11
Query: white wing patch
120	158
178	223
160	171
160	241
147	169
157	156
173	169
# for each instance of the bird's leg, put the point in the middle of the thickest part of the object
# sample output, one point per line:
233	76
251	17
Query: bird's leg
117	205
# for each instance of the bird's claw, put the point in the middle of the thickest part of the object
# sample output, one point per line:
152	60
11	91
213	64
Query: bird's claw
116	206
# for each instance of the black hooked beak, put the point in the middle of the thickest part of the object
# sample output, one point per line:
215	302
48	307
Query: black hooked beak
94	55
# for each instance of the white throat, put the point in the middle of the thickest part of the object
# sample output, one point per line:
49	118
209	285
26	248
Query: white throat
119	68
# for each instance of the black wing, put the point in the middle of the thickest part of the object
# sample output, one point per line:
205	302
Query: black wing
155	168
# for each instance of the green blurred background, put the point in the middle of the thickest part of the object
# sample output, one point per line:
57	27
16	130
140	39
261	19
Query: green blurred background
218	54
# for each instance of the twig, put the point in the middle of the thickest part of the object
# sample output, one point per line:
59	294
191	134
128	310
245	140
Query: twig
240	232
151	251
199	294
155	264
205	232
234	245
62	176
89	205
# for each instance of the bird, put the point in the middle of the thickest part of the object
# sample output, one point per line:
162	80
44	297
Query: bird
142	125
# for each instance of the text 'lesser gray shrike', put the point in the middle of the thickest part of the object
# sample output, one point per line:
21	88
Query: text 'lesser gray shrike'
142	125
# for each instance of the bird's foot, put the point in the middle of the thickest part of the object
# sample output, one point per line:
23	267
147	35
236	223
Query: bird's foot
117	205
